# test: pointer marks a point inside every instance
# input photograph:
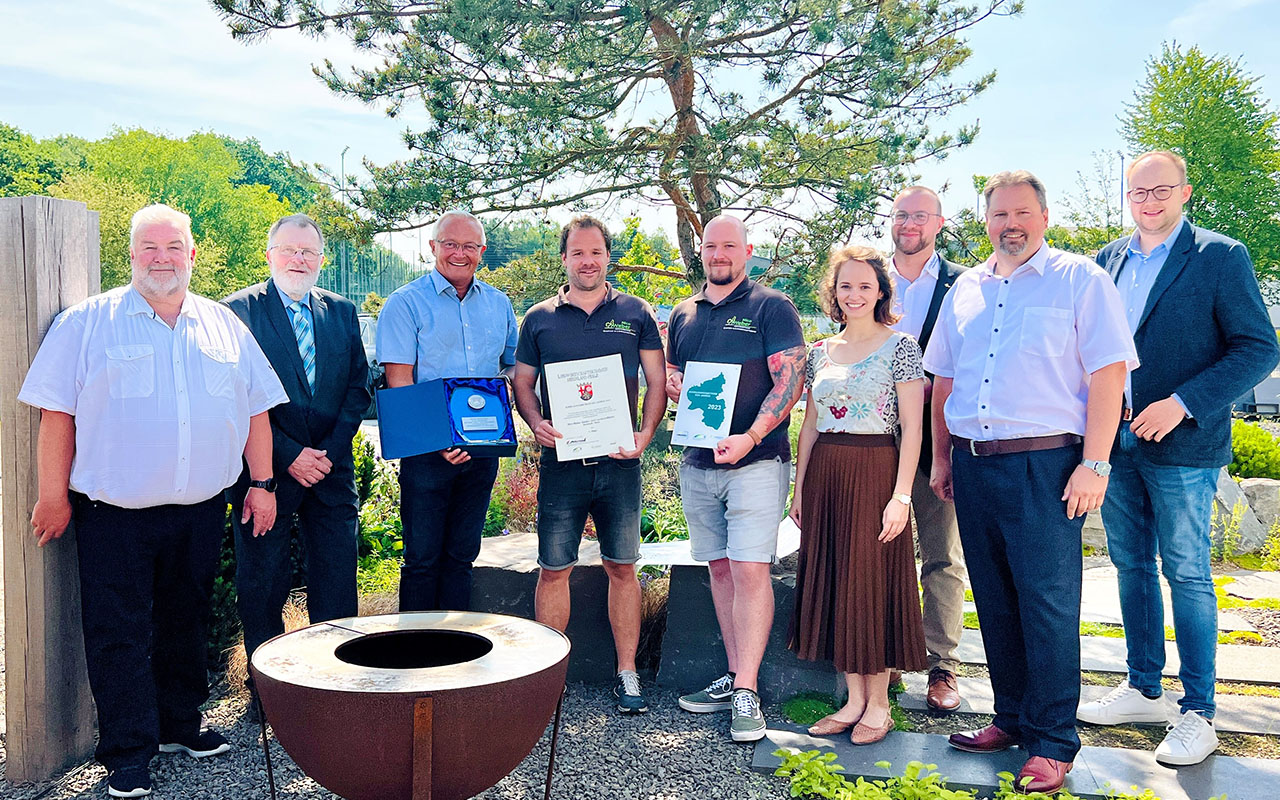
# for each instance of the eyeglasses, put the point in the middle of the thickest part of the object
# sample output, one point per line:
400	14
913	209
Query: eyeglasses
308	255
470	248
1158	192
918	217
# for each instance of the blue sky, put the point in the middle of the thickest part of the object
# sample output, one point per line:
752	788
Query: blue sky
1065	71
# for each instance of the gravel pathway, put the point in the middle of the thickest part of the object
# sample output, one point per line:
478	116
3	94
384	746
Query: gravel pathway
663	755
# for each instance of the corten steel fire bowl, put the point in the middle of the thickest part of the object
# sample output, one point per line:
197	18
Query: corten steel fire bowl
438	705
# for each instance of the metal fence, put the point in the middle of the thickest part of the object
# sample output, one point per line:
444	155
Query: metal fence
353	272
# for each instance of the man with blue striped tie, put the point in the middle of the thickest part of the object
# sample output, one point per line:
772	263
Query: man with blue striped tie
312	338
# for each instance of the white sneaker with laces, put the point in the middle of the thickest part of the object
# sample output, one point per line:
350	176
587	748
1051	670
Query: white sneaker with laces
1191	741
1123	704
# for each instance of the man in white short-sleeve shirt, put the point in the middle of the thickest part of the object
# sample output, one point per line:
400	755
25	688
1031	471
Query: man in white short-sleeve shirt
1030	351
150	398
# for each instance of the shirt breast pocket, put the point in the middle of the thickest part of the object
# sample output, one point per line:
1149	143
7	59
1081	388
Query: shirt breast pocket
131	370
219	368
1046	331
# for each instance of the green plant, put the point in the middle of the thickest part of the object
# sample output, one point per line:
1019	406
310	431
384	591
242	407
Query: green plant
1270	552
1254	452
376	575
380	530
1224	546
366	464
817	775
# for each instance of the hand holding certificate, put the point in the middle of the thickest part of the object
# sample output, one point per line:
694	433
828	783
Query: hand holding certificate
705	411
589	407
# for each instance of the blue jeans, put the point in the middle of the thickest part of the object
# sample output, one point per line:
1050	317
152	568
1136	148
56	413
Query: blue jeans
1154	508
609	489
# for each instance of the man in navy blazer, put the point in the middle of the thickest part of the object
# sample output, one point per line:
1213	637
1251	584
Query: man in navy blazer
312	339
1204	338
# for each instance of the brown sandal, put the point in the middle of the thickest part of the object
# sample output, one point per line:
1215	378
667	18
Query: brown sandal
865	734
829	726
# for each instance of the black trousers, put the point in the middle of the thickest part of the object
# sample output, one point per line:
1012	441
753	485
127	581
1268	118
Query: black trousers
442	508
146	576
263	569
1026	570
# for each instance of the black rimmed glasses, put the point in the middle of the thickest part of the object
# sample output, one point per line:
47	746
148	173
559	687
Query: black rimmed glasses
1163	192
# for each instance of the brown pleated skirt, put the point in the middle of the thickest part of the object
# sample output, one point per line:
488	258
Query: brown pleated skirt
857	602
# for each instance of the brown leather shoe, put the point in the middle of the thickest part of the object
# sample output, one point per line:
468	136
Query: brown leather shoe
944	693
984	740
865	734
829	726
1045	774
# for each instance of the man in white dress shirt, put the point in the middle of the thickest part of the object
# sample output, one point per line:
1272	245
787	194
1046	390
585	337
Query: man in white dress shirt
1030	353
921	279
149	397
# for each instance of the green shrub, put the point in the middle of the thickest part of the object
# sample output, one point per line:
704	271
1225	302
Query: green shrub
366	462
1254	452
380	531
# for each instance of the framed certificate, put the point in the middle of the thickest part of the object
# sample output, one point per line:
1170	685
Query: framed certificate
706	404
473	414
590	406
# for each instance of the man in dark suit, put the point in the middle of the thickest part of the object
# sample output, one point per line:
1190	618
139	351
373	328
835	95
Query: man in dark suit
1204	338
312	338
921	279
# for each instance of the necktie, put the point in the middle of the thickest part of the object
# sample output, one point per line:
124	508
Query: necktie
306	341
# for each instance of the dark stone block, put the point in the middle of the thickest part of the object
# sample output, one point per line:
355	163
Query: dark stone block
693	652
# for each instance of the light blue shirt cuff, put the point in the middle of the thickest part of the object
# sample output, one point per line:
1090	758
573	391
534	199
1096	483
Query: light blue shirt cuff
1185	410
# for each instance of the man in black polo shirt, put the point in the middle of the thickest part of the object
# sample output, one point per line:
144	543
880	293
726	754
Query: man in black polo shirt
734	494
588	318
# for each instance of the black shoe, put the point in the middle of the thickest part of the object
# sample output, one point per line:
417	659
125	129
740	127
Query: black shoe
202	745
129	782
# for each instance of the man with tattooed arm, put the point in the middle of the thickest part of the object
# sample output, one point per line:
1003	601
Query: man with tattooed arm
735	494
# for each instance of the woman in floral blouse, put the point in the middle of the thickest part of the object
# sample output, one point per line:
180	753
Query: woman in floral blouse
857	603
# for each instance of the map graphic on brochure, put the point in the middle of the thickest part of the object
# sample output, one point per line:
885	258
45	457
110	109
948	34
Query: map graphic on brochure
706	403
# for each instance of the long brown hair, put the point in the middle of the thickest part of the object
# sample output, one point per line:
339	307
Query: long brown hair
883	312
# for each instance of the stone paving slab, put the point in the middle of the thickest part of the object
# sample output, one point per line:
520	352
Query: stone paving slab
1098	770
1235	714
1228	622
1236	662
1254	585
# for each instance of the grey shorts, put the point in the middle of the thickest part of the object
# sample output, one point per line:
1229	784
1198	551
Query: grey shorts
734	513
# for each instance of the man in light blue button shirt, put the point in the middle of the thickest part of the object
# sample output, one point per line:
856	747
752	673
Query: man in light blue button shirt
446	324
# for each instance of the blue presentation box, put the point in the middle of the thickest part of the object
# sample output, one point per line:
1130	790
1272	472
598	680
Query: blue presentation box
472	414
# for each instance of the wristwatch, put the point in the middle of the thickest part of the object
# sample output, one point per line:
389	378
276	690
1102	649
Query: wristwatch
1101	467
905	499
268	485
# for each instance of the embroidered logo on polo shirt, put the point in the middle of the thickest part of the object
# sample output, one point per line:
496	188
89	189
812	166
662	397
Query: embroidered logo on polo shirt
614	326
740	324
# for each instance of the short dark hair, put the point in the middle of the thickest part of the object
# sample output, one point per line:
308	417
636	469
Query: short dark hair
883	312
582	222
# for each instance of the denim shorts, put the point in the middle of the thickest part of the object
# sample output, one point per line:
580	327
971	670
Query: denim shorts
609	489
734	513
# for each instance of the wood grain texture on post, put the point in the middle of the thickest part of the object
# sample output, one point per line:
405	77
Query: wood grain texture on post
49	259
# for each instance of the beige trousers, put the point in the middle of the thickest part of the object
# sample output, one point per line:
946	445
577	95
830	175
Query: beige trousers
941	573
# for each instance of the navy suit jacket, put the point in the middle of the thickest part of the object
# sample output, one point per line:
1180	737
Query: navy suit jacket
326	419
947	274
1205	335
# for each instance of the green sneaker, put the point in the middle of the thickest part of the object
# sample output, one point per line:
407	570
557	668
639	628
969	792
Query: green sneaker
747	724
715	697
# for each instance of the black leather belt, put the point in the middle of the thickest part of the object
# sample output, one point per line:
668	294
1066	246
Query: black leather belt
999	447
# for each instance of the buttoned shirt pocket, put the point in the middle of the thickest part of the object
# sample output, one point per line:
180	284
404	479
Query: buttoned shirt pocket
131	370
1046	331
219	368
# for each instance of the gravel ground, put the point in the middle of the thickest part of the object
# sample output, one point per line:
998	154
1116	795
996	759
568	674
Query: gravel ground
1266	620
663	755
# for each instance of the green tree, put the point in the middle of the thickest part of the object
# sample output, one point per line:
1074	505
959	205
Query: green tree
26	166
803	111
645	267
290	182
1211	112
115	202
528	279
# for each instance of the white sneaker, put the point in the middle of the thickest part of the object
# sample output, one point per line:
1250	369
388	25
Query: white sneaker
1191	741
1123	704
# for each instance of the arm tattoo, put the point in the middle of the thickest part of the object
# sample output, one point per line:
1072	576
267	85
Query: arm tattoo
787	369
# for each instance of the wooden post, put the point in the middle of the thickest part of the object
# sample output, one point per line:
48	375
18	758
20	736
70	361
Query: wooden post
48	260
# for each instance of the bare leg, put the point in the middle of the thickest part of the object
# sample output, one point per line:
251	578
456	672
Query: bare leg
752	619
876	690
856	704
722	598
551	598
624	612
